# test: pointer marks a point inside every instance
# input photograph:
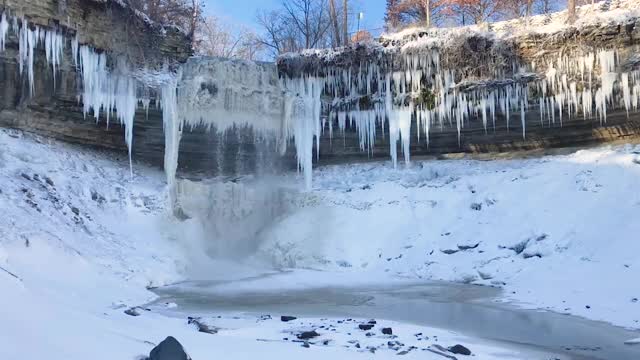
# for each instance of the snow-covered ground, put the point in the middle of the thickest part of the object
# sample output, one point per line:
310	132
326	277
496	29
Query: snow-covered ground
600	13
80	240
556	232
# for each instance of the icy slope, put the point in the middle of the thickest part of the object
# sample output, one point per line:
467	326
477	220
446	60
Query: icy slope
85	204
79	241
556	232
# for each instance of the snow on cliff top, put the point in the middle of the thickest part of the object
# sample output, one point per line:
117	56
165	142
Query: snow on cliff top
602	12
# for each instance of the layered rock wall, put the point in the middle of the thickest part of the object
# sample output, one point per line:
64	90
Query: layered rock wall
55	108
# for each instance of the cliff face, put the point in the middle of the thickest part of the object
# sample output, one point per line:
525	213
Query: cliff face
54	108
420	92
507	86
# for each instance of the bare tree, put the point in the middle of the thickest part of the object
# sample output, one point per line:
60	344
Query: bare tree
411	11
571	11
546	6
183	13
217	38
310	19
392	16
333	13
345	21
478	11
296	25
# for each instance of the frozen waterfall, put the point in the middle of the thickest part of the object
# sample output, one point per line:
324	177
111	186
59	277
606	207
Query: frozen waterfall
411	92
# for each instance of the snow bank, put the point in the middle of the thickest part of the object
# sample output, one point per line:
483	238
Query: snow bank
79	241
596	14
554	232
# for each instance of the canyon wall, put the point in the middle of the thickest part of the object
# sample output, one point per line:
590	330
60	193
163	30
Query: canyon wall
521	90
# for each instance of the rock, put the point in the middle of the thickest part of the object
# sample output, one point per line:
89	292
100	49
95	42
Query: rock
306	335
365	327
134	311
459	350
476	206
202	327
519	247
449	251
387	331
468	247
168	349
286	318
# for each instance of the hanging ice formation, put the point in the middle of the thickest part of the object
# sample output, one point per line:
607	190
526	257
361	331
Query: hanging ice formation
409	92
412	88
104	90
219	94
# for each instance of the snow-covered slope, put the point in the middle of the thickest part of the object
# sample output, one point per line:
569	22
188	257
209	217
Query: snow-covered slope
79	241
556	232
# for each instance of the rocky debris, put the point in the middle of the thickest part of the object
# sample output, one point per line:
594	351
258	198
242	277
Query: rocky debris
306	335
460	350
95	196
521	246
468	247
286	318
476	206
387	331
201	326
135	311
529	255
449	251
168	349
365	327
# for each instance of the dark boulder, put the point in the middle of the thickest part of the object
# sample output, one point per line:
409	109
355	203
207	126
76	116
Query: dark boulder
365	326
286	318
134	311
168	349
387	331
306	335
460	350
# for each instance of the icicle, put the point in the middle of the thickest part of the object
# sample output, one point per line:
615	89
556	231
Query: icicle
74	50
4	31
522	119
626	93
172	133
28	40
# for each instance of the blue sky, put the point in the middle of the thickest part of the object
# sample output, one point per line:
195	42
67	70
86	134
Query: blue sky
244	11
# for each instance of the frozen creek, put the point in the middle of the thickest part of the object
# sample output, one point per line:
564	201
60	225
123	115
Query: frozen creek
466	309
